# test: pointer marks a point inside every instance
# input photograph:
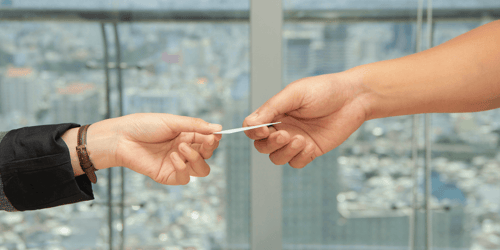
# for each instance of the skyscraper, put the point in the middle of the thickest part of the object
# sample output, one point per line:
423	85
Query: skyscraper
19	91
150	101
310	208
78	103
237	148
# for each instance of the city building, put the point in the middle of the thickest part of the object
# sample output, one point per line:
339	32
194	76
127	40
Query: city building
78	103
20	91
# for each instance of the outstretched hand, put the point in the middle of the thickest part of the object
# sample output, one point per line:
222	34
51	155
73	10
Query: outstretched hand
167	148
317	114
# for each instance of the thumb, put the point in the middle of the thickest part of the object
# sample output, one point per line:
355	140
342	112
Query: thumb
287	100
180	124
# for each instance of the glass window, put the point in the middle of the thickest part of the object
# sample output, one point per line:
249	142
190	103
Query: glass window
166	5
359	195
465	163
190	69
44	81
196	70
345	196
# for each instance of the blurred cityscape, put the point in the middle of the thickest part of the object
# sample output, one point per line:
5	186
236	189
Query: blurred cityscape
358	195
244	4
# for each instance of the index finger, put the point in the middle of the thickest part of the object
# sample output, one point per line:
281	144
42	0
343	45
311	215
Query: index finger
178	124
285	101
258	133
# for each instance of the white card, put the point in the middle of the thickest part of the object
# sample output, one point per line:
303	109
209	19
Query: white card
234	130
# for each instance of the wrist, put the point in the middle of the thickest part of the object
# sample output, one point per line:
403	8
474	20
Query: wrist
388	91
357	78
101	145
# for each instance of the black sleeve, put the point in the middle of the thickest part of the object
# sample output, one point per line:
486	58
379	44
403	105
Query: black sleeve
36	169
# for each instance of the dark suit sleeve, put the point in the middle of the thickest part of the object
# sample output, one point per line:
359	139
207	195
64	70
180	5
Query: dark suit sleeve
5	204
36	171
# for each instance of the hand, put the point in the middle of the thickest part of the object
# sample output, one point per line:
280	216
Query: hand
317	114
153	145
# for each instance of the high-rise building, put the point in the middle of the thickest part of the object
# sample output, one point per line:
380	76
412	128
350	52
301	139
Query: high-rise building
151	101
78	103
310	212
310	201
331	58
297	58
237	148
5	3
20	91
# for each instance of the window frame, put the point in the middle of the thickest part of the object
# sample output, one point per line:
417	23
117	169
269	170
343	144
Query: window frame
265	17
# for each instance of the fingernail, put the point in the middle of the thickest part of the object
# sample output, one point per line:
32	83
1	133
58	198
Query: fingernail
176	157
254	116
184	148
216	126
295	144
280	139
211	143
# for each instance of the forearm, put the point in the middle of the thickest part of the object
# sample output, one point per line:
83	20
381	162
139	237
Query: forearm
101	145
461	75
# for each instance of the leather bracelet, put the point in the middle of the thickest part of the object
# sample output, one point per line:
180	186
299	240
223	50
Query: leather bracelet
83	156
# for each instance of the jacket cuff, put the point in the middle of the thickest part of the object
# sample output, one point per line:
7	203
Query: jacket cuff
36	169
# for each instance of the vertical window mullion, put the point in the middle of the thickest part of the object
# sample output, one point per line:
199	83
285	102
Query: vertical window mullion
266	18
428	167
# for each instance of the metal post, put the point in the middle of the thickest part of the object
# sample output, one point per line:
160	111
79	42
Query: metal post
428	167
414	156
266	18
107	116
122	170
414	144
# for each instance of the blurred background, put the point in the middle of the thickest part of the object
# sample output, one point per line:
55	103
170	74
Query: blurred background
192	58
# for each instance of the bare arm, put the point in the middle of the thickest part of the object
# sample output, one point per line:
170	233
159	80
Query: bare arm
319	113
460	75
167	148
